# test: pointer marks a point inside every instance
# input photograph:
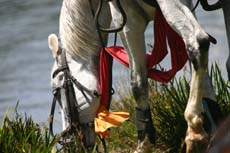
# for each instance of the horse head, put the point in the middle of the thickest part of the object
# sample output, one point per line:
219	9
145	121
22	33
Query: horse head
76	89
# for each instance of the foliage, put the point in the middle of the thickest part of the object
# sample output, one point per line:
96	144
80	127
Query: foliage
221	88
123	139
168	102
23	135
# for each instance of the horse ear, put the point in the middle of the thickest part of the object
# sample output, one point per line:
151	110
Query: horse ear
53	44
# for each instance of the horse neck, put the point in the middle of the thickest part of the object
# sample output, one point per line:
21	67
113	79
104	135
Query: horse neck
86	73
78	32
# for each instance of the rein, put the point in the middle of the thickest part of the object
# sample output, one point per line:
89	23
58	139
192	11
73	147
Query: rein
107	87
207	7
196	5
97	14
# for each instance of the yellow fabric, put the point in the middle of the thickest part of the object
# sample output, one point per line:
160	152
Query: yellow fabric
106	120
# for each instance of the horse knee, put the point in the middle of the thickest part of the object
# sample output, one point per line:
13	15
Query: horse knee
198	55
139	90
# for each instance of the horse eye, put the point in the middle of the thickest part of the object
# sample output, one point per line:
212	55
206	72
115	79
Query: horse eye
96	94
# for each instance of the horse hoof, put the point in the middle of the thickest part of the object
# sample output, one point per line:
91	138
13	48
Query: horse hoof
196	140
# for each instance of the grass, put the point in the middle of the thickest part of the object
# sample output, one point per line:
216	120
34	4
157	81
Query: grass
168	102
20	134
221	88
23	135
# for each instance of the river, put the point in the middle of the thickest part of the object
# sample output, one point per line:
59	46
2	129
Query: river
25	60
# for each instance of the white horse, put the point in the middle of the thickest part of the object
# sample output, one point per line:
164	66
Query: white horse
81	43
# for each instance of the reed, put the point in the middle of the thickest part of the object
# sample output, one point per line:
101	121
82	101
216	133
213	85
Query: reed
21	134
168	101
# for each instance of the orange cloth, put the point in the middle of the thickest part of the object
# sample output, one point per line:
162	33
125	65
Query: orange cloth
106	120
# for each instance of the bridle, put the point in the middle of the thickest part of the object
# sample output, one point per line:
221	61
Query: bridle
72	106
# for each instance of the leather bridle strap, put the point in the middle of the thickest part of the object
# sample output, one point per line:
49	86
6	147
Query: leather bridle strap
58	71
52	116
72	106
70	96
69	92
82	88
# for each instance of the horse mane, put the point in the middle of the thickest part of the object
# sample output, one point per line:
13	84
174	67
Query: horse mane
77	30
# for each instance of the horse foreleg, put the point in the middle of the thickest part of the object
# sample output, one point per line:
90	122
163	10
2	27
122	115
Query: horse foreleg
196	137
139	84
133	39
181	19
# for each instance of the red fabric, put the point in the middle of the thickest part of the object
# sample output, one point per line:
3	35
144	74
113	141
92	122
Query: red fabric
163	34
105	78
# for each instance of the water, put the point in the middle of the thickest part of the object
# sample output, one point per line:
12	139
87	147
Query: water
25	60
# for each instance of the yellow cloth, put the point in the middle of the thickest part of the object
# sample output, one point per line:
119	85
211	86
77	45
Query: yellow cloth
106	120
